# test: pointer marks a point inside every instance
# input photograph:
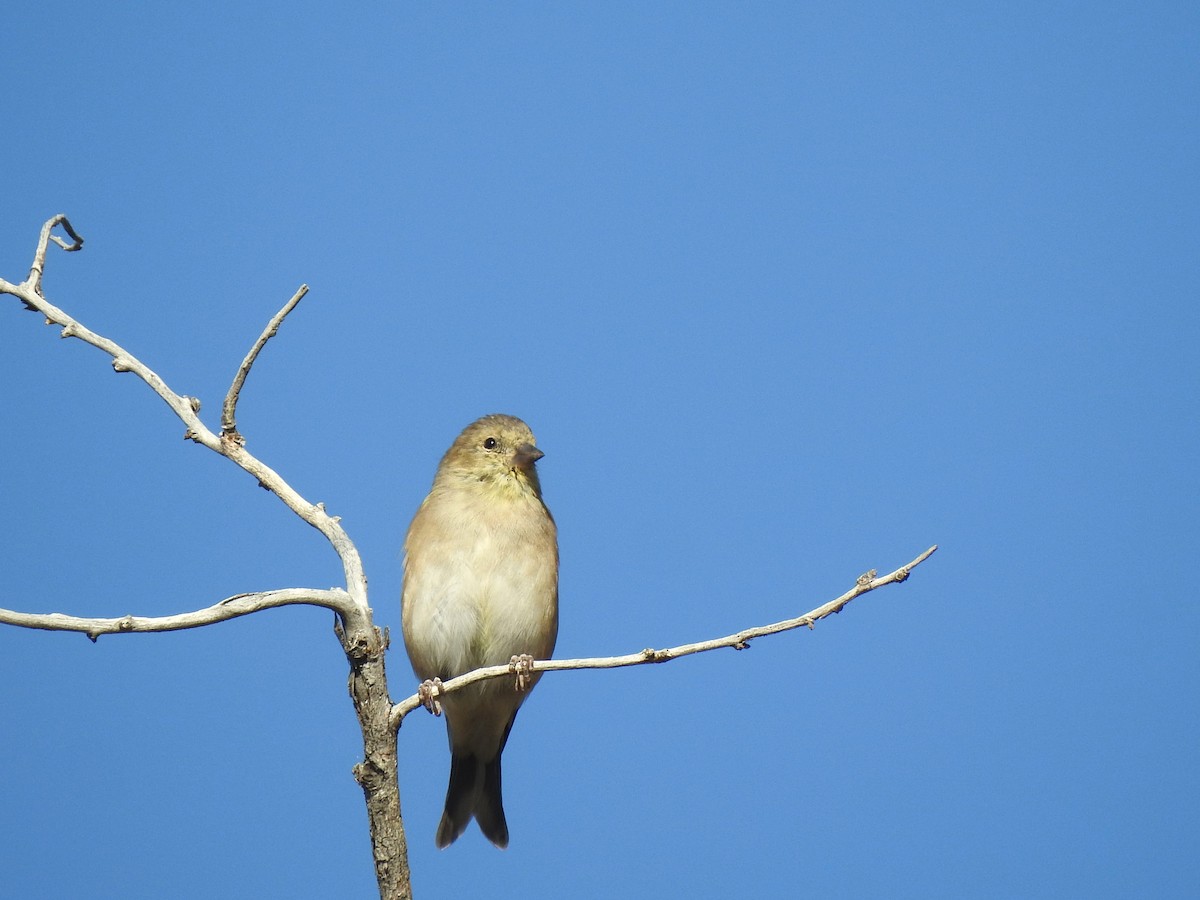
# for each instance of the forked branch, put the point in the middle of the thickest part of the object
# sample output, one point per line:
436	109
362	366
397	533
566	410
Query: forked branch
188	408
362	642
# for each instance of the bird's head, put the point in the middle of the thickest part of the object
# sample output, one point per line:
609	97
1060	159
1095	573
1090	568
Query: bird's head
498	451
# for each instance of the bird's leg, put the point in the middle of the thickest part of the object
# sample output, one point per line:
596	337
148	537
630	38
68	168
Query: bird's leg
522	667
428	694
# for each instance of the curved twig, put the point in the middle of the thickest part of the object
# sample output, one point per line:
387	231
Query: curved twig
739	641
34	281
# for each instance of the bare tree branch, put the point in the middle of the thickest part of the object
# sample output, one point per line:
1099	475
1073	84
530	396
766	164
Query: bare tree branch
229	608
739	641
228	420
363	643
187	409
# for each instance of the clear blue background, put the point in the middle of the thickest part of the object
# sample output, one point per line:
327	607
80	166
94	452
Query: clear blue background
786	291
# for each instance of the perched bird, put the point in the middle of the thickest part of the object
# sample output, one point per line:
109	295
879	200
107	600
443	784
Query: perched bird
481	587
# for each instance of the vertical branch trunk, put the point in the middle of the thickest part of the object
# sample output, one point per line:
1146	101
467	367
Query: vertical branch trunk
376	774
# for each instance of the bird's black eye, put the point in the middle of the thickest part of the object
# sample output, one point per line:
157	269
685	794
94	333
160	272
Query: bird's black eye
489	444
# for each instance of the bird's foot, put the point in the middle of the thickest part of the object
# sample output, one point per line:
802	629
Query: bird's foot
428	694
522	667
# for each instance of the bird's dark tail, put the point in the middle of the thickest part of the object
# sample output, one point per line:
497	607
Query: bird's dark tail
474	791
489	805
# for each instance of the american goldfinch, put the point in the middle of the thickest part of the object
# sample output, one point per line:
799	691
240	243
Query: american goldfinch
480	587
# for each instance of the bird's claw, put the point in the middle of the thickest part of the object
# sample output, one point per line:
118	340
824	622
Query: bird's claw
522	667
428	694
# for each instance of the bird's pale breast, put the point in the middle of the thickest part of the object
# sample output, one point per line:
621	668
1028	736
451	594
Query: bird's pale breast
481	583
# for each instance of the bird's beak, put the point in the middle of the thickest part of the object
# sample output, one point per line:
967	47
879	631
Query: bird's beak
526	455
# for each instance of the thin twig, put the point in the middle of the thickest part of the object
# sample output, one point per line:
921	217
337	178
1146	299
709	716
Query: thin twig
739	641
230	608
228	421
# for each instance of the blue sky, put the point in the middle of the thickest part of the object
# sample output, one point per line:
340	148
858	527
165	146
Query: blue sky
786	291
